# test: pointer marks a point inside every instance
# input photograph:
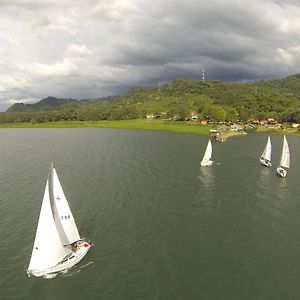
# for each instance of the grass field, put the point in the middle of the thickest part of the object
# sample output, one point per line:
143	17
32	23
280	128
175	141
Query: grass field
188	127
143	124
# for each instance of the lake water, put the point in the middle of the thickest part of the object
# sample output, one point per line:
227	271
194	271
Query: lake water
161	226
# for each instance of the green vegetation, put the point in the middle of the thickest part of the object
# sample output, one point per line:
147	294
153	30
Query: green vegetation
178	100
129	124
286	131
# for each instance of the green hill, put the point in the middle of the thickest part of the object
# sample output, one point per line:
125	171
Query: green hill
49	103
178	99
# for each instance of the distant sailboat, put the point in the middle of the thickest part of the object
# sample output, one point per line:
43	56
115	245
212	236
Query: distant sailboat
206	161
285	159
265	158
57	244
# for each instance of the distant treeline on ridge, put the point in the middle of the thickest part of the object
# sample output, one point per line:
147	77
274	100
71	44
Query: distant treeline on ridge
177	100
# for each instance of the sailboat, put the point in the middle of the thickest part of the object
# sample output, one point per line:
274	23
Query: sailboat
57	245
206	160
265	158
285	159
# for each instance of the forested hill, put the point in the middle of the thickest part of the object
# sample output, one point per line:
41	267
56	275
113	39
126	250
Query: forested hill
48	103
178	99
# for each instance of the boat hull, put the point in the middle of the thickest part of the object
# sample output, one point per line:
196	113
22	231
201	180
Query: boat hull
281	172
206	163
265	162
67	263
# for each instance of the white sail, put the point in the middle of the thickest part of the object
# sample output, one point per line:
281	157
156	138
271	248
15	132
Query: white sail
285	155
48	249
206	160
267	151
63	216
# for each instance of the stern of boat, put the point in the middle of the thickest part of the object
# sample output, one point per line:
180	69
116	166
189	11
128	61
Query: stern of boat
265	162
82	248
281	172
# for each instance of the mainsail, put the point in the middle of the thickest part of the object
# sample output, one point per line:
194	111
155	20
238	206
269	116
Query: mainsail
267	151
207	155
48	249
285	155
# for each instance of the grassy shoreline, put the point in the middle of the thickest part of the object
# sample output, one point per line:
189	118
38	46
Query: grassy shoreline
281	131
142	124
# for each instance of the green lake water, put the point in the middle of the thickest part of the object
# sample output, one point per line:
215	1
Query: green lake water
161	226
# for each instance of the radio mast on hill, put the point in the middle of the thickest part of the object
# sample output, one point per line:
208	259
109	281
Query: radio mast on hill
203	75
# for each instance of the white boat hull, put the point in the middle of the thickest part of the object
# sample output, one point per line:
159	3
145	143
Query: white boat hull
206	163
265	162
281	172
71	260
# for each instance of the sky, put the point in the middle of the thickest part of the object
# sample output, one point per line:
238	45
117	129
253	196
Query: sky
97	48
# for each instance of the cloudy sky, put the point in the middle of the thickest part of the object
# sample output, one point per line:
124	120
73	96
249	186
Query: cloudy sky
95	48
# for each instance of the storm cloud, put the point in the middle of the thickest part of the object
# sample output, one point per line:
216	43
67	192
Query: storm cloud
95	48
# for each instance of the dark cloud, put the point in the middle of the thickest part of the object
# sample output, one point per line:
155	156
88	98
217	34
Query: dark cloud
100	47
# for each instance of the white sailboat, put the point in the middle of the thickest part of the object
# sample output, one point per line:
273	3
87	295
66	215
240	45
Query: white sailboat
206	160
57	245
265	158
285	159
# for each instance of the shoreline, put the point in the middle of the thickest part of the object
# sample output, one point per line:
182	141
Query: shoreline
142	124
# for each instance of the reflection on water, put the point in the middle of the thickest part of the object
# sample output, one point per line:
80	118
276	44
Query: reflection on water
282	182
264	178
207	177
281	191
272	194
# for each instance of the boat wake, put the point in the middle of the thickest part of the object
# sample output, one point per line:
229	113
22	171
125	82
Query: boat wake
67	272
202	179
86	265
73	271
50	276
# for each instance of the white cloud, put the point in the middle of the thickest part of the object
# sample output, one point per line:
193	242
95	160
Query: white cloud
8	83
23	100
289	56
284	56
64	68
116	10
289	22
77	50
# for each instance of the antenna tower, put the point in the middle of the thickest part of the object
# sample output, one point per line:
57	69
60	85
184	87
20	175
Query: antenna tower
203	76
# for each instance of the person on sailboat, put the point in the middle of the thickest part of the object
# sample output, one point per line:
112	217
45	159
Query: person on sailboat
74	246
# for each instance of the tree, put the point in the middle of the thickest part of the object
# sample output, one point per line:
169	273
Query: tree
215	113
231	114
